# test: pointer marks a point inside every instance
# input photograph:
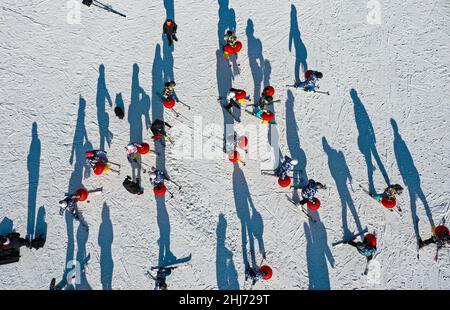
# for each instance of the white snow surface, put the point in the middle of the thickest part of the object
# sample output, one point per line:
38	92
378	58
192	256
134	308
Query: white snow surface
224	215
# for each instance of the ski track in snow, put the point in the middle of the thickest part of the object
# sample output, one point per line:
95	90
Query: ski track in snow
389	86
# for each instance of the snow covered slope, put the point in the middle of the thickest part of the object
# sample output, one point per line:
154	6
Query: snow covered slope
386	119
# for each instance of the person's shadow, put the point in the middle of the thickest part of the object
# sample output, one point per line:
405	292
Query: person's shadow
255	58
341	175
252	226
300	177
411	177
367	141
138	109
102	116
318	254
226	274
295	39
105	240
33	164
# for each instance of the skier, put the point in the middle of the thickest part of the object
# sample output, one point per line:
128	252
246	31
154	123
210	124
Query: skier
230	37
158	129
98	161
367	247
232	45
255	274
160	278
310	190
390	193
133	187
235	97
286	166
169	90
132	151
69	203
441	237
311	81
157	177
170	30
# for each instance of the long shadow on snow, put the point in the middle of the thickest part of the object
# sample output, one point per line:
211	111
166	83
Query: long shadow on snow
226	274
252	226
293	140
317	254
295	39
105	240
341	175
33	164
170	9
138	109
102	116
411	177
367	140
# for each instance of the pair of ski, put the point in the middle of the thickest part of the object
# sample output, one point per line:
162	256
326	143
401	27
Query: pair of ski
396	209
314	91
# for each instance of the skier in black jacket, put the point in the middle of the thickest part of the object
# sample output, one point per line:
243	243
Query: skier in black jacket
170	30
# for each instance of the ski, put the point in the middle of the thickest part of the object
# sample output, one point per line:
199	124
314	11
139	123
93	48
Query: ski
268	172
365	230
301	208
171	267
314	91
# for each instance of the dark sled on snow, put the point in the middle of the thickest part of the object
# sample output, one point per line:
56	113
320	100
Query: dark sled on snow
9	256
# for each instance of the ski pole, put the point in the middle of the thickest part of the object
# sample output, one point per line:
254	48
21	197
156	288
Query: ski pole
179	187
169	139
171	193
188	106
107	8
154	152
176	113
112	163
322	92
151	167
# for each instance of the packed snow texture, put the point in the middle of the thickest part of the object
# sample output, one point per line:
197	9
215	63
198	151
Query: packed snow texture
386	120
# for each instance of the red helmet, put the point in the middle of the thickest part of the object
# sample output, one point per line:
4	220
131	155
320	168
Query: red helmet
284	183
241	94
269	91
313	206
267	272
371	240
98	168
169	102
89	154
